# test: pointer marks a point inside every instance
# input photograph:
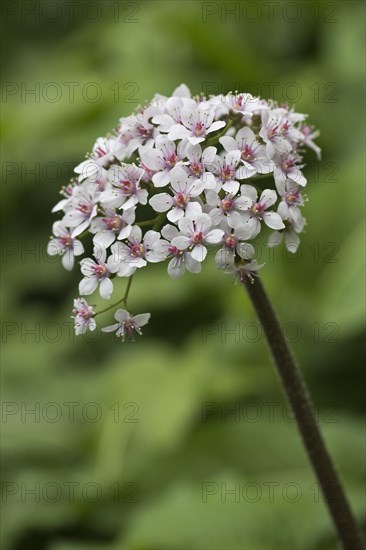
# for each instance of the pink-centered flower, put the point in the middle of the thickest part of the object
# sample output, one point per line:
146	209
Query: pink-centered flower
291	201
83	316
286	168
252	153
127	324
200	163
229	208
233	245
180	202
245	271
197	123
82	209
112	226
96	273
64	245
245	104
105	152
258	210
126	192
162	159
228	171
272	133
180	260
195	234
135	252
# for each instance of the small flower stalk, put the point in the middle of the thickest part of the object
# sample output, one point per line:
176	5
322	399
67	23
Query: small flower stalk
180	176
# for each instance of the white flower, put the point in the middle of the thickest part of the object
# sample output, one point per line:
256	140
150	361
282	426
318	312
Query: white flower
83	209
105	152
308	135
229	208
272	134
294	222
137	130
252	153
227	171
180	203
112	226
196	123
96	272
127	324
245	104
97	182
63	244
244	271
83	316
135	253
290	234
233	246
195	235
258	210
173	112
286	168
162	159
126	191
288	125
200	163
171	108
180	260
292	199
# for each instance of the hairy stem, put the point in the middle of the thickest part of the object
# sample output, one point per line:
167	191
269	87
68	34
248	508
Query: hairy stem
122	300
296	391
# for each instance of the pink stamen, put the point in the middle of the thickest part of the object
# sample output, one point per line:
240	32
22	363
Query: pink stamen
175	251
114	224
258	208
230	242
137	250
197	237
227	204
199	129
180	200
247	153
100	271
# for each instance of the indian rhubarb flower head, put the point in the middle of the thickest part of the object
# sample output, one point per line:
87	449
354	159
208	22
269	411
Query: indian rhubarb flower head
180	176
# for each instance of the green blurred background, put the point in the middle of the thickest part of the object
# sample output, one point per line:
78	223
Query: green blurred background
134	446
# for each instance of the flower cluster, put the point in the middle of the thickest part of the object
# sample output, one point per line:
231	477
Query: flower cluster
181	175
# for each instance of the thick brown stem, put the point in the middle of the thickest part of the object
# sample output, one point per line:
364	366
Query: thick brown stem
296	391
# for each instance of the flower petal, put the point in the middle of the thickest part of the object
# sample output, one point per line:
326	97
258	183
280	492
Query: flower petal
214	236
88	285
199	252
104	238
161	202
249	191
161	179
229	143
273	220
268	197
106	288
68	260
141	319
181	242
